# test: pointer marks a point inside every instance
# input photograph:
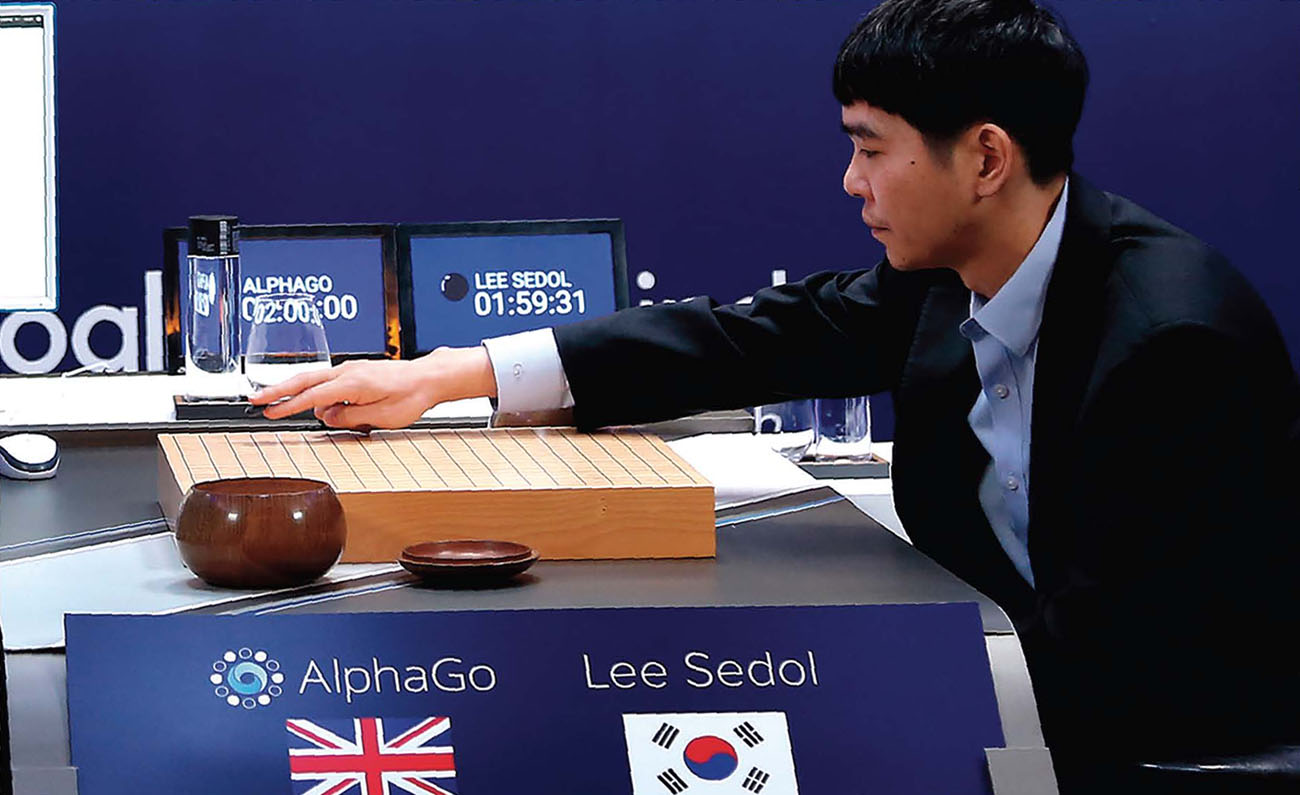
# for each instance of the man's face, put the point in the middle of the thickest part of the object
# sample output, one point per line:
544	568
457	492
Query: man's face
913	200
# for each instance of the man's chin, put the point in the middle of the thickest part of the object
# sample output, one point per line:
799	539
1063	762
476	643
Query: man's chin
899	260
905	263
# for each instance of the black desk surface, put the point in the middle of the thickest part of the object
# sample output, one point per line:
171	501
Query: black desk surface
104	480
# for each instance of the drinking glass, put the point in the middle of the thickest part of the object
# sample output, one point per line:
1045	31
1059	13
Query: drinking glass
790	427
843	429
287	337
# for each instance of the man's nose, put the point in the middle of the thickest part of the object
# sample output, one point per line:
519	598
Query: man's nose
854	185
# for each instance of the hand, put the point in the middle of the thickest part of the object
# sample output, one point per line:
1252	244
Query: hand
382	394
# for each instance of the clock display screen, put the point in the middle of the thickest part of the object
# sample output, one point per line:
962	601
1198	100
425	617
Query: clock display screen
471	287
345	276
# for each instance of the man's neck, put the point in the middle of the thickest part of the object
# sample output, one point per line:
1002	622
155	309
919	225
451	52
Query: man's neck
1012	227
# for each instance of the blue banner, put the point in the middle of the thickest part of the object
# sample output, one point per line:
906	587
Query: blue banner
770	700
709	128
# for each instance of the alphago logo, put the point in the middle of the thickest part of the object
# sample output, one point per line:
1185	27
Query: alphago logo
246	678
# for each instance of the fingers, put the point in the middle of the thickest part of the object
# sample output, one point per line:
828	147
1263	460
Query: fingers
320	396
292	386
359	417
287	408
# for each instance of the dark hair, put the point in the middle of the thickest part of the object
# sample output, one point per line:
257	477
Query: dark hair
944	65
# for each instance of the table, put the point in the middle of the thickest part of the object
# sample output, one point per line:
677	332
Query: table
811	547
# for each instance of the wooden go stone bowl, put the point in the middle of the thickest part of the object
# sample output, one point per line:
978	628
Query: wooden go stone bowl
260	532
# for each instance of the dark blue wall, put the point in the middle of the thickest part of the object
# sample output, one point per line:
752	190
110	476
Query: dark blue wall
708	126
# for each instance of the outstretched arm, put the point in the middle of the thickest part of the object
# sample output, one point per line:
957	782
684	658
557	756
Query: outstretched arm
830	335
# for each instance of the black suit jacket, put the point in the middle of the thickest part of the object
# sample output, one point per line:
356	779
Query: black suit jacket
6	776
1163	510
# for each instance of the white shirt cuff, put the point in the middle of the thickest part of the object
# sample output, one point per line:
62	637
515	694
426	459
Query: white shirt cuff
529	373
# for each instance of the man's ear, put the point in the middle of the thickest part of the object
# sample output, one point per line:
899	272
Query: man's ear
997	155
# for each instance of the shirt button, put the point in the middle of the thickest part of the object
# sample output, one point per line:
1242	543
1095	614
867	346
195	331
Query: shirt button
519	371
1001	390
1012	483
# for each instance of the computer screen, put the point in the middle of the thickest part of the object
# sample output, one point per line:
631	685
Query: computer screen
27	229
351	269
464	282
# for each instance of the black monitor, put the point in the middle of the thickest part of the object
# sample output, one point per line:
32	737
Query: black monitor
351	268
461	282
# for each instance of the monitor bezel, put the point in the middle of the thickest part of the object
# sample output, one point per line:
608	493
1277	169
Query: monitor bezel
611	226
49	301
174	344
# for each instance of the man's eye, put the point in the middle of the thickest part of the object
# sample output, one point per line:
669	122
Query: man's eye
869	152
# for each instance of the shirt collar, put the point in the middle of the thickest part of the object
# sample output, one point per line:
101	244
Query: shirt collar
1012	316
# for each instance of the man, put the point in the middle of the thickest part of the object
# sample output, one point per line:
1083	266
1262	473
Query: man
1095	413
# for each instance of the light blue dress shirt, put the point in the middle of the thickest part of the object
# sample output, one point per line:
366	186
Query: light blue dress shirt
1003	331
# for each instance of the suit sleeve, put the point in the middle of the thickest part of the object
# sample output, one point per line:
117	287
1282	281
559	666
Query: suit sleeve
832	334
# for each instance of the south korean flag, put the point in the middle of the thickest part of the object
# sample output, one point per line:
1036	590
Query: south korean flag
710	752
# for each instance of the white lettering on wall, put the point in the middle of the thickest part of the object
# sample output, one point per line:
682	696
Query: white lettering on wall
126	318
58	342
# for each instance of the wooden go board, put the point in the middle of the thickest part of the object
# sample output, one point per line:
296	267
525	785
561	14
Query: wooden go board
621	494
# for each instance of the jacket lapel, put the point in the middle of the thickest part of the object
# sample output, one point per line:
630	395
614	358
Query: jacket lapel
936	453
941	357
1067	350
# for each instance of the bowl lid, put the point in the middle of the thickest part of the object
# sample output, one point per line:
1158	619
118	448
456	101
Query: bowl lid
467	574
467	552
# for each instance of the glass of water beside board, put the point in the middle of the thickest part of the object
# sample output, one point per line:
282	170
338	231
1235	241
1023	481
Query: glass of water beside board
843	429
286	337
789	428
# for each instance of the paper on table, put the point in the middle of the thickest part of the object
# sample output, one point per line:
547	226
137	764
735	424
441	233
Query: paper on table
140	399
137	575
742	467
473	408
86	400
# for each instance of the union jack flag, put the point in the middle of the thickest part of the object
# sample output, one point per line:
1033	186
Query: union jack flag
333	757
